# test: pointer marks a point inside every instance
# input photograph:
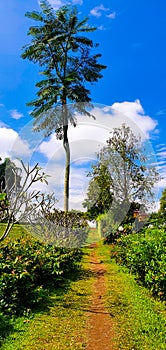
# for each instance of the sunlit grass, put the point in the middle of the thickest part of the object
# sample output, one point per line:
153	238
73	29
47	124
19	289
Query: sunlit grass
93	237
140	320
61	324
17	231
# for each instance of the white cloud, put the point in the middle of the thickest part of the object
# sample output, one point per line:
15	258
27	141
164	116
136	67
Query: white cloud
11	144
161	165
85	140
2	105
156	207
2	124
161	147
112	15
97	10
78	193
101	27
56	4
91	134
78	184
51	148
77	2
162	154
15	114
162	183
161	112
136	113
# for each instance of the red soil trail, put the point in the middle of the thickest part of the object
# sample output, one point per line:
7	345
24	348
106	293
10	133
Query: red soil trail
100	324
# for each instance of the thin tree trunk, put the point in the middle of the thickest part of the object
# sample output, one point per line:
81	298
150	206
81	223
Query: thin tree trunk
8	228
67	165
67	176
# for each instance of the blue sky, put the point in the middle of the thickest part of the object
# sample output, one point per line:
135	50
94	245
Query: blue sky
132	38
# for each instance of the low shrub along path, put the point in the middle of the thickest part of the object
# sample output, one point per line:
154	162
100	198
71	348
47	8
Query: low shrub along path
100	325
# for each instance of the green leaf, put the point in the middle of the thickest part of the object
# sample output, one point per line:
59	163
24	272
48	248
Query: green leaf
2	196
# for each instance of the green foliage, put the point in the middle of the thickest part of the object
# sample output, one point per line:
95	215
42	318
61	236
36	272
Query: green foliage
5	327
2	196
145	256
121	174
27	268
9	182
162	210
64	229
118	218
58	46
9	176
99	194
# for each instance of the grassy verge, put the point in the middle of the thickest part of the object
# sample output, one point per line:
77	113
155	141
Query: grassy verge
60	325
93	237
17	231
140	320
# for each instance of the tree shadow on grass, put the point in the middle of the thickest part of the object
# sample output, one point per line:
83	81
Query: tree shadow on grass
5	328
83	274
54	293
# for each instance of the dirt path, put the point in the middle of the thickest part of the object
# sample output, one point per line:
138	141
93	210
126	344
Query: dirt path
100	324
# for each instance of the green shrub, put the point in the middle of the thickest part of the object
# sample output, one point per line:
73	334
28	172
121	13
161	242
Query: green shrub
27	268
145	256
71	227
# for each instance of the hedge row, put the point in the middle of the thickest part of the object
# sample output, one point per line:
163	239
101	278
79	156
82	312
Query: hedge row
145	256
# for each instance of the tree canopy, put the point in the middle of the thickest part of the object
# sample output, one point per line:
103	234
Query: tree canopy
99	194
129	178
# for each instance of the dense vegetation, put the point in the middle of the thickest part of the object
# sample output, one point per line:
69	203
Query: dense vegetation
27	270
121	178
145	256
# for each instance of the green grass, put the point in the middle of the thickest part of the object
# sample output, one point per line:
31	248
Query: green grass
93	237
140	320
60	325
18	231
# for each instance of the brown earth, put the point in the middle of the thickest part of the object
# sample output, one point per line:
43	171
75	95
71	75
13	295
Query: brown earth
100	324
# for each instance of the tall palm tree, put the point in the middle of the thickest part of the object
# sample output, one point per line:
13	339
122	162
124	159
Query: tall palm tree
68	65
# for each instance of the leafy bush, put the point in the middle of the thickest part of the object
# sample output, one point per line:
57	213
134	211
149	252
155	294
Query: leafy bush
145	256
63	229
71	227
110	229
27	268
